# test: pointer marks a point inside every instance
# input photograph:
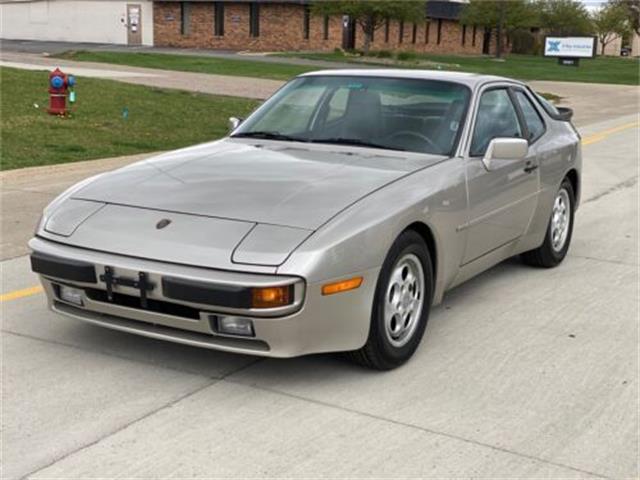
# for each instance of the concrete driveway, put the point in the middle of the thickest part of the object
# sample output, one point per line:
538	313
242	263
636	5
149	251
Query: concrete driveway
523	373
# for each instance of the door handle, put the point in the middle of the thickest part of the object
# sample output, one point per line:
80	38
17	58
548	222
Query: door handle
530	167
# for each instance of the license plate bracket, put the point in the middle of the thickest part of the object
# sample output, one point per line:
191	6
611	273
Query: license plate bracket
142	284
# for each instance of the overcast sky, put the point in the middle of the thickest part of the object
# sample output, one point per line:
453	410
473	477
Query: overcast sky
592	3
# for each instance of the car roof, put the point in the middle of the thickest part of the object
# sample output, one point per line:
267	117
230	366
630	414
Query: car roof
469	79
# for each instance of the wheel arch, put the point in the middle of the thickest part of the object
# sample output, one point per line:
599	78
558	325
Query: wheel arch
426	233
574	178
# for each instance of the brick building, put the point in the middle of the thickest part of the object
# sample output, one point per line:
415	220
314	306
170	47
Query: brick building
276	25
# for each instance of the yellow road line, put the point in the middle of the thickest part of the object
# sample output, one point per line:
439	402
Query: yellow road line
598	137
16	294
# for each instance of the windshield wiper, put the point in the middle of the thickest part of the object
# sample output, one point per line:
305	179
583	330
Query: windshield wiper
355	142
268	136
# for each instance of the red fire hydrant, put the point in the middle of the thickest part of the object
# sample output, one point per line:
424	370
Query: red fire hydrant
59	85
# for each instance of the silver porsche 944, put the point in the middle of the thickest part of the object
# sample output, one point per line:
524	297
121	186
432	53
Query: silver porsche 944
331	219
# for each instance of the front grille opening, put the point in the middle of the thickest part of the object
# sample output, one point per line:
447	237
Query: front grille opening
157	306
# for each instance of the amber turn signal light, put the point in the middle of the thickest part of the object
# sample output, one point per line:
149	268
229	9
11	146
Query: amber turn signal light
271	297
341	286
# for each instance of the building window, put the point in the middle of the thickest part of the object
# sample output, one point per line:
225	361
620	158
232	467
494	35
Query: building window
325	27
185	18
254	19
218	19
306	20
386	31
414	33
473	38
401	31
426	31
464	35
439	31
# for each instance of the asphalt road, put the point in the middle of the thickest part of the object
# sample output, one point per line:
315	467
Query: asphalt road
522	373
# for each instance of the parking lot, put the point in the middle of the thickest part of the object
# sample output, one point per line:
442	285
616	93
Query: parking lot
522	372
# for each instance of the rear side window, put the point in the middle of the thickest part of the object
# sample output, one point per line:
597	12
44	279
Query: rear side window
547	105
535	125
496	118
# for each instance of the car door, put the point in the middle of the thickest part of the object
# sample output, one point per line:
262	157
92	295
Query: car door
502	199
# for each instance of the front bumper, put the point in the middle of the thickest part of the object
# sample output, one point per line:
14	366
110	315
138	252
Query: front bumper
183	303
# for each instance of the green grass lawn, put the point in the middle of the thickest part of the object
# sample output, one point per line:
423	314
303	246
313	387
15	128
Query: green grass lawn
524	67
191	63
157	120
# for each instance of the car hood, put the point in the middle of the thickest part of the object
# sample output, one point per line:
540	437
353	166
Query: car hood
263	182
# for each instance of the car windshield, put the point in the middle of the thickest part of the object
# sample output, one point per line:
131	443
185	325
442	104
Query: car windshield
392	113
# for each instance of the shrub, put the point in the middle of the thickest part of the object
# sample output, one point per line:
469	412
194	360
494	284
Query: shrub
407	56
383	54
522	42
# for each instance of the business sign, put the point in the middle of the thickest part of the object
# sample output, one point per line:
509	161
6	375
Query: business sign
570	47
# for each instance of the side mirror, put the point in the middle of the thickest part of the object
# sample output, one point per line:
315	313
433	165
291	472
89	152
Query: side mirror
234	123
505	149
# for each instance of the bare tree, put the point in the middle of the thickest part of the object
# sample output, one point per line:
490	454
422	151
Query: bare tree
609	22
506	16
371	15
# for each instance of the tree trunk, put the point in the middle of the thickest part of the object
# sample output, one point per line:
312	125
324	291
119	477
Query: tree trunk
367	42
499	30
368	33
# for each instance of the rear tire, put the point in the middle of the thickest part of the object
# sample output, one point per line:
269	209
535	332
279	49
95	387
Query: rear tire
559	231
401	305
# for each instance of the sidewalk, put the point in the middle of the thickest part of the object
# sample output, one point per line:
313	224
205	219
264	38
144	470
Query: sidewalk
246	87
53	48
591	102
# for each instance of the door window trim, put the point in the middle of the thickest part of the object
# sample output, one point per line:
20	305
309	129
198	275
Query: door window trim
476	106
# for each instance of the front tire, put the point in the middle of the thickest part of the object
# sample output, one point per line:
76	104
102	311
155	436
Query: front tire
401	305
559	231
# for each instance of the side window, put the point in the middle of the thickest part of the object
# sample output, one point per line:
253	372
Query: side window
496	118
535	125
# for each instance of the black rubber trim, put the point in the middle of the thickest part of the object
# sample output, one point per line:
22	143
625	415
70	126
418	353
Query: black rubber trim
64	268
206	293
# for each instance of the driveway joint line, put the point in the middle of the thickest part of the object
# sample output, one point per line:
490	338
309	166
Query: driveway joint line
225	378
15	257
604	260
628	183
26	190
214	381
109	354
414	427
122	427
